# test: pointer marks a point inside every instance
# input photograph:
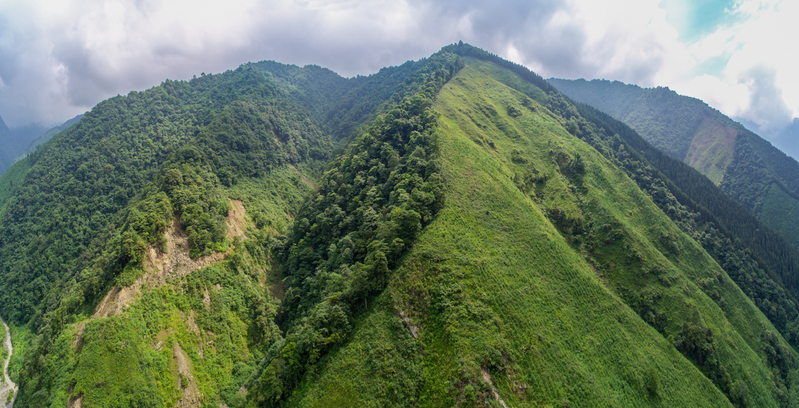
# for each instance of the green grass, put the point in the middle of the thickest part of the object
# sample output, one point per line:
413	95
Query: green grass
494	286
712	149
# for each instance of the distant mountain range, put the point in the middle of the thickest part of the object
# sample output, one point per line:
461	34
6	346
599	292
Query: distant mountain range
22	141
745	166
12	144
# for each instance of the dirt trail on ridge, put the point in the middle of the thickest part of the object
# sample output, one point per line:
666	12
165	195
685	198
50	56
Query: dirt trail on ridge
7	385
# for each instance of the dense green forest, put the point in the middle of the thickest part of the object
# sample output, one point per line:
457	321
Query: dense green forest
80	212
745	166
448	232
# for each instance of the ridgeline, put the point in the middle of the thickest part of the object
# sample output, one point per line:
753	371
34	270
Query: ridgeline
449	232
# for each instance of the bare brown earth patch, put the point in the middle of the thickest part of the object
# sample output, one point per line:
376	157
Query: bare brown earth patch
160	266
236	220
410	326
190	393
76	402
487	379
192	323
207	299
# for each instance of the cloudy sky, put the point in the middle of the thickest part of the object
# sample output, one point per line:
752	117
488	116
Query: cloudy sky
59	58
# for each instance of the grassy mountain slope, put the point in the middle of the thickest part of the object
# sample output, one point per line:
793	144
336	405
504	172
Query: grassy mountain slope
136	244
526	285
482	242
746	167
758	259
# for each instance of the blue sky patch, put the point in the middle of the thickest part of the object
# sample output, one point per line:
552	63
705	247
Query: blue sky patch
694	19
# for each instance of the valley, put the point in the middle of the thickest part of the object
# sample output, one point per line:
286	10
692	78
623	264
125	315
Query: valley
745	166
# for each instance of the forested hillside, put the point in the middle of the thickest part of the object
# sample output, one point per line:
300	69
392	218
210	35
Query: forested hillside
44	138
449	232
169	169
13	144
746	167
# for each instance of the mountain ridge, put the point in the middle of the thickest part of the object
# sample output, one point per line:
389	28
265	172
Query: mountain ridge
447	232
746	167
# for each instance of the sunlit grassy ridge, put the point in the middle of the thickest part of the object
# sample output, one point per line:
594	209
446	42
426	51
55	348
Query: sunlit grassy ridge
495	287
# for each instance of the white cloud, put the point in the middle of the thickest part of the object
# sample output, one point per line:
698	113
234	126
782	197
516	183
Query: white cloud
630	41
731	99
61	57
717	43
758	83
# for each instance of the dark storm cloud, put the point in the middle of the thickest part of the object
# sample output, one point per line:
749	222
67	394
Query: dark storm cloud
57	64
54	68
27	78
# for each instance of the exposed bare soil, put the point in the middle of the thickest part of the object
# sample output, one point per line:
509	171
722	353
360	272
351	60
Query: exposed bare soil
174	263
8	385
160	266
190	393
487	378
